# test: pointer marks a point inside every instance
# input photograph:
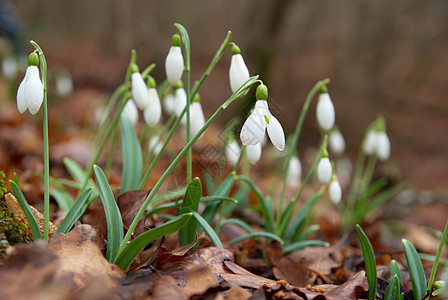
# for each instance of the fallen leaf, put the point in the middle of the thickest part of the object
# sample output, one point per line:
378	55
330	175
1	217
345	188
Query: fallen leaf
295	272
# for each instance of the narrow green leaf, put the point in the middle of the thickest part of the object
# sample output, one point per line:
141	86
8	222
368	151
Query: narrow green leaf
369	261
239	223
169	195
113	216
268	235
186	42
76	171
302	244
75	212
26	210
437	258
132	156
63	198
190	203
415	267
131	250
208	230
309	231
223	190
395	270
393	289
209	184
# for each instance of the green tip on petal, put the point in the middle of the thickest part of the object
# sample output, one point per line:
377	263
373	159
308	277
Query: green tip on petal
262	92
175	40
134	68
235	50
33	59
323	90
196	98
151	82
333	174
266	119
128	95
179	85
325	153
380	124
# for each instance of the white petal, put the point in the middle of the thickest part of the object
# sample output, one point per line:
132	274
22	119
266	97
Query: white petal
139	91
153	144
336	142
197	119
34	90
324	170
153	112
335	191
174	65
253	153
22	105
294	172
369	144
238	72
383	146
130	110
180	102
168	104
9	67
325	112
232	152
255	126
64	85
276	134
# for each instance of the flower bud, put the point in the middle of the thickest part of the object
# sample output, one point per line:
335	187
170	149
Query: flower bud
153	111
325	113
232	151
335	191
238	72
139	89
336	142
174	63
294	172
130	110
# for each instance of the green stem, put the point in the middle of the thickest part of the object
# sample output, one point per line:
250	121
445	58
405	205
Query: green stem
370	167
159	138
43	68
174	163
436	261
356	183
291	150
235	168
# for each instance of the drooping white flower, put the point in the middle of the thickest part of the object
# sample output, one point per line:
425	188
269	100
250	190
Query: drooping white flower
238	72
168	104
232	152
153	111
64	84
139	89
335	191
9	67
30	93
130	110
174	63
369	144
260	119
253	153
154	145
324	169
376	141
180	102
383	146
325	113
197	119
294	172
336	142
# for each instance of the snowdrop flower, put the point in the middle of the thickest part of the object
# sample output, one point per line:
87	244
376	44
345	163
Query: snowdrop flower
369	143
152	144
174	63
197	119
335	190
383	146
238	72
64	84
130	110
232	151
30	93
180	101
253	153
168	104
139	90
336	141
9	67
324	168
376	141
153	111
261	119
325	111
294	172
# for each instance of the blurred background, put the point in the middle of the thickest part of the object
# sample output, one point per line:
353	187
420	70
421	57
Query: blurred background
383	57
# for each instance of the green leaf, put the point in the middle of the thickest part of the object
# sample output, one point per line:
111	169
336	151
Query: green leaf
415	267
26	210
437	258
395	270
209	184
169	195
239	223
186	43
63	198
190	203
76	171
208	230
393	289
113	216
75	212
302	244
268	235
132	156
223	190
369	261
129	253
266	209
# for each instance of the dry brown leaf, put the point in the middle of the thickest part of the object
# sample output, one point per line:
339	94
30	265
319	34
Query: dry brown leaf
295	272
199	280
15	208
81	258
347	290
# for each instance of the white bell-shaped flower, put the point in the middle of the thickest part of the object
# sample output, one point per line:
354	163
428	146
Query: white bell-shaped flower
336	142
168	104
335	191
253	153
153	111
155	145
369	144
64	84
232	152
383	146
180	102
197	119
30	94
130	110
174	63
139	90
9	67
324	169
238	72
260	119
325	113
294	172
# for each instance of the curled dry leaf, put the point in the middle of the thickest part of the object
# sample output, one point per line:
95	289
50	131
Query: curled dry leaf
81	258
15	208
